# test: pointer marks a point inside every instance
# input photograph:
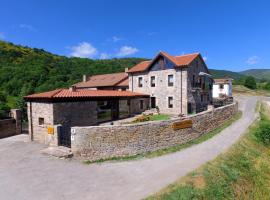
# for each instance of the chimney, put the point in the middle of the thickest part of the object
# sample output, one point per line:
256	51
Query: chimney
72	88
84	78
126	69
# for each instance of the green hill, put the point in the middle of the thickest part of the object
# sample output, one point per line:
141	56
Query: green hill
259	74
225	73
25	70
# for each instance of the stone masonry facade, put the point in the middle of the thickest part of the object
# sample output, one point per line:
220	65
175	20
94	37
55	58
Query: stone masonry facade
101	142
161	90
63	115
42	115
187	96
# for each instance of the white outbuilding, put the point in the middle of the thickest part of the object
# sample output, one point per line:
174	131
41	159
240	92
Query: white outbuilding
222	88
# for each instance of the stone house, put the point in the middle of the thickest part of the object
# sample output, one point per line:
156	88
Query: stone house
73	107
176	84
222	88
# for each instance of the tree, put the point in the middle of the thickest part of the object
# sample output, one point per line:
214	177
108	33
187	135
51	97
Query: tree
250	82
267	86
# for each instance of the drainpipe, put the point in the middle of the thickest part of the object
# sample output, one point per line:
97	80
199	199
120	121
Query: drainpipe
31	124
181	91
132	82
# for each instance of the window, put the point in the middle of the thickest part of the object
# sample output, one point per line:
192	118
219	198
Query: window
40	121
153	81
140	84
170	80
221	86
141	104
170	102
201	98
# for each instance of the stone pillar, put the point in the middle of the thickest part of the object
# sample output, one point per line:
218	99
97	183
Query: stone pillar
53	139
17	115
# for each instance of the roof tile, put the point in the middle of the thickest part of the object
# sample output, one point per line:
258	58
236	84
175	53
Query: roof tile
66	93
179	61
103	80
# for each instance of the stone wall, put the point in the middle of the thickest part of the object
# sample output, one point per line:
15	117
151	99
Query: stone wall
36	111
100	142
194	94
66	114
161	90
12	126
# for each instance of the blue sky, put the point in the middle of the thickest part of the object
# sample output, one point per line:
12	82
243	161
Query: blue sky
230	34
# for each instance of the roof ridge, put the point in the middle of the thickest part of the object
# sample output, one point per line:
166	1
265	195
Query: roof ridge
57	91
189	54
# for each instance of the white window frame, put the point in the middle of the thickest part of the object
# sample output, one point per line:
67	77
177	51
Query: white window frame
140	77
172	81
154	81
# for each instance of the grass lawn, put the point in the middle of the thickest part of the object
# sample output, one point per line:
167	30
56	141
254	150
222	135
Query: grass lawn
173	148
241	173
159	117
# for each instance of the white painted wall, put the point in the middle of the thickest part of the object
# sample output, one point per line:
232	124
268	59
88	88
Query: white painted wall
227	90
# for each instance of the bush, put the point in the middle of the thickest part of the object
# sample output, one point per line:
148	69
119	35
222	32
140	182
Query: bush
263	132
250	82
4	110
267	86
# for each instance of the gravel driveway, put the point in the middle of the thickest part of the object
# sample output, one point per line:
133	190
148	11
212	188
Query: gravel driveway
27	174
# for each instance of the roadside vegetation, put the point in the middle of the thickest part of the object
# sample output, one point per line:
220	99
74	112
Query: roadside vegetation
241	173
173	148
240	89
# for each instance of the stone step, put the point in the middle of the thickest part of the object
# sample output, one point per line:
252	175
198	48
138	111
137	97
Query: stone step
59	152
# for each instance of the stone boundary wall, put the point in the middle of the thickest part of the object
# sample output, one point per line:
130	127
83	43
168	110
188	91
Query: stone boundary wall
101	142
11	126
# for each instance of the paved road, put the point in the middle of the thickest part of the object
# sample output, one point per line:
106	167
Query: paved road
27	174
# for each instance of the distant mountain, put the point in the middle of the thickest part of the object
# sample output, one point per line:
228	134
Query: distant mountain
226	74
259	74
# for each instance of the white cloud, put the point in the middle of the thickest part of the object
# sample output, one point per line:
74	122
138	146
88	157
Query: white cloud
253	60
83	50
27	27
126	51
104	56
2	36
205	58
116	39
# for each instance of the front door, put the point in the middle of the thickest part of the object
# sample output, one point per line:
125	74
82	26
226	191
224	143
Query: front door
153	102
64	137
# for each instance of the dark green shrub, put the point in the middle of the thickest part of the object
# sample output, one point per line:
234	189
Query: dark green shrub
263	132
250	82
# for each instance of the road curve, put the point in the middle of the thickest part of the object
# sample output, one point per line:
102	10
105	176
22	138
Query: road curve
27	174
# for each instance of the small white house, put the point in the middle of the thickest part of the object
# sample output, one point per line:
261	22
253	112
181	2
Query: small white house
222	88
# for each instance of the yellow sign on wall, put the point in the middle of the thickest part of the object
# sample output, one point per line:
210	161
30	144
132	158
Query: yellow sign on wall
182	124
50	130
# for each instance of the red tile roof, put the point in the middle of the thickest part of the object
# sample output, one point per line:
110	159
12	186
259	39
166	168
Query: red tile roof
103	80
68	94
179	61
123	83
